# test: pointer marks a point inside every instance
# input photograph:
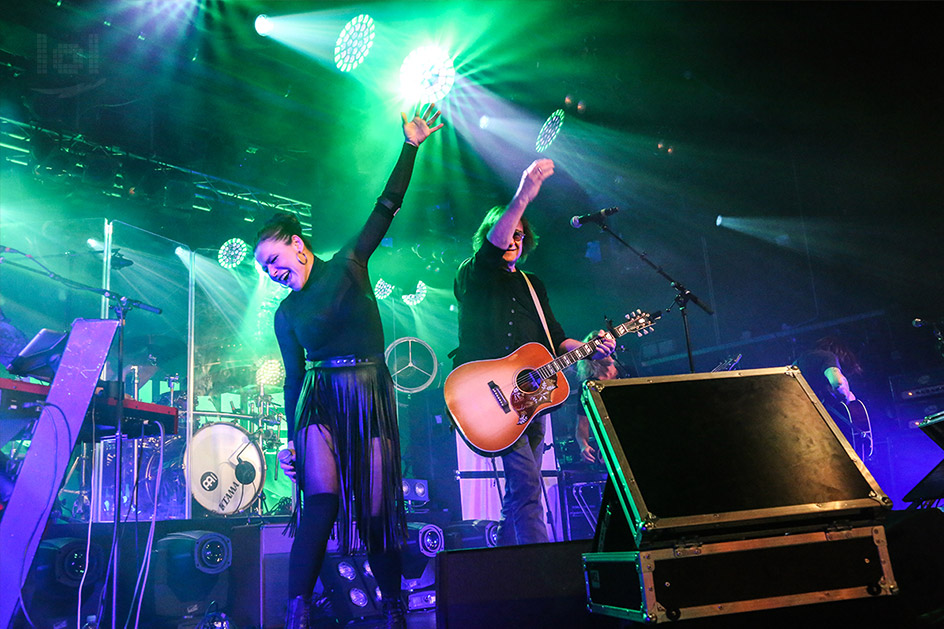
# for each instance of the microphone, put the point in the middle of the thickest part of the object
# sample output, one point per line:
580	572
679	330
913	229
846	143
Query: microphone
594	217
245	472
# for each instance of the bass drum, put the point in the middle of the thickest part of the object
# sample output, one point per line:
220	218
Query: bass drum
227	468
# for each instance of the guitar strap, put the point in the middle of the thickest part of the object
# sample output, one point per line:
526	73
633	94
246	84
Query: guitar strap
537	305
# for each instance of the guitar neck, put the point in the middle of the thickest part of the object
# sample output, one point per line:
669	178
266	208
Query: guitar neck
585	351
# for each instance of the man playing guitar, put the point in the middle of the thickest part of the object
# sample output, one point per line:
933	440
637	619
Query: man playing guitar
497	314
823	369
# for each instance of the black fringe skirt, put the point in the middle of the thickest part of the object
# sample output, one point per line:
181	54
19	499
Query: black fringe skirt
356	403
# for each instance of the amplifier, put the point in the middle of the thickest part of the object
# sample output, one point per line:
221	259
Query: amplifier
917	385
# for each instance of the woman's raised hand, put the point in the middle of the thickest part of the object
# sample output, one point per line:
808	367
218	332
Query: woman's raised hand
420	127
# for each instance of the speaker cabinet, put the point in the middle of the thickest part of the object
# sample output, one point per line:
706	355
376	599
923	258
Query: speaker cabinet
259	577
536	585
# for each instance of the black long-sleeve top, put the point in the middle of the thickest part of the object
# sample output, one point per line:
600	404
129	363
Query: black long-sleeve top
813	365
496	311
335	314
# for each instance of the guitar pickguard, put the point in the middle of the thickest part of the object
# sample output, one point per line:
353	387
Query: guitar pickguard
526	403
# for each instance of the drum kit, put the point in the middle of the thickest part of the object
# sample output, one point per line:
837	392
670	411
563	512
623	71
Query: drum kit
232	455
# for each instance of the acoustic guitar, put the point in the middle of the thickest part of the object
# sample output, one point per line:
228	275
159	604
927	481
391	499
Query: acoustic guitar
493	401
857	416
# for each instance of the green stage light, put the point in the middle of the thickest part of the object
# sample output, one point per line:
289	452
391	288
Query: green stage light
354	43
263	25
549	131
271	372
232	253
415	298
382	289
427	75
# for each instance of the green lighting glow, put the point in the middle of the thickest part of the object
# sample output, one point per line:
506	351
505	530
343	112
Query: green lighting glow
232	253
354	43
427	75
382	289
549	131
414	299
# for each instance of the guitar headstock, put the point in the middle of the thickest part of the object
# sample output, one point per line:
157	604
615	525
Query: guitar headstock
639	322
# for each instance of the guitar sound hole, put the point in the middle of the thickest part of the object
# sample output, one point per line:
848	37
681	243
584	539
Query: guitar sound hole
528	381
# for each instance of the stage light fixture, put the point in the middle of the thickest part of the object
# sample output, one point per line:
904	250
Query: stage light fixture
426	538
483	122
414	299
66	556
352	593
472	534
415	489
427	74
358	597
382	289
354	43
51	589
719	221
263	25
549	131
232	253
271	372
346	570
190	569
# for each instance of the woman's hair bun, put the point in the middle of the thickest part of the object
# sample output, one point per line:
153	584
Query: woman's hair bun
281	226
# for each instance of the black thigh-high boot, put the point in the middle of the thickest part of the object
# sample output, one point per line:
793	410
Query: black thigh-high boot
387	566
319	511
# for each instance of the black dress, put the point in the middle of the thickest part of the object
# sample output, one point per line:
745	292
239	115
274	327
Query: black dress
331	338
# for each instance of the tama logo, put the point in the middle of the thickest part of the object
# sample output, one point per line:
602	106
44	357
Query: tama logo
228	495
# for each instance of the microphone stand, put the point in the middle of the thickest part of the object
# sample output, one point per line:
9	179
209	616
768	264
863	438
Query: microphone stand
122	305
682	294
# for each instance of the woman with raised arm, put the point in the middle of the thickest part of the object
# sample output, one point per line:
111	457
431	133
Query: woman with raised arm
344	453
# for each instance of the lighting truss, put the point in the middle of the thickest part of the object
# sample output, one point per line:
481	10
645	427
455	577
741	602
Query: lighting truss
18	139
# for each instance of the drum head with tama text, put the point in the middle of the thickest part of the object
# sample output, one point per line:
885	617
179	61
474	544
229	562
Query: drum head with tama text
227	468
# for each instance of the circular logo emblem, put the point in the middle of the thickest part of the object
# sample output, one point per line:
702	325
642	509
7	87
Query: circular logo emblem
209	481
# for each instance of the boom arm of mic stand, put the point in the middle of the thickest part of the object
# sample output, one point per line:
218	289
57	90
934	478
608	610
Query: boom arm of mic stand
682	298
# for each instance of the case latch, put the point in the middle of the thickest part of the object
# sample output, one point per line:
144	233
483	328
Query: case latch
687	549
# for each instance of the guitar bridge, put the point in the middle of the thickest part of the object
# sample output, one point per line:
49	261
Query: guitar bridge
499	396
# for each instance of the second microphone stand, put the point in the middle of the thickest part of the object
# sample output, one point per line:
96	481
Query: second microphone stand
682	294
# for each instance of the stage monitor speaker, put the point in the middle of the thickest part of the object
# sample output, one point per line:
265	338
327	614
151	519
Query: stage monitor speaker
259	584
728	452
536	585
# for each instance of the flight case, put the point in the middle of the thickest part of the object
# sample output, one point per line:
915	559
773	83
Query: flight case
729	492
